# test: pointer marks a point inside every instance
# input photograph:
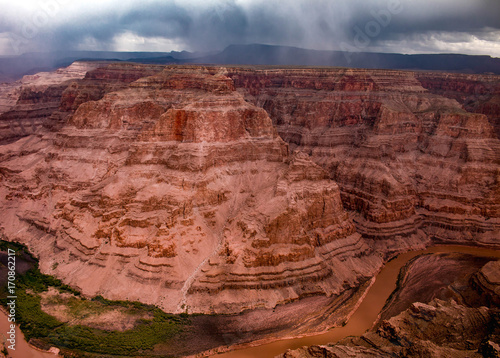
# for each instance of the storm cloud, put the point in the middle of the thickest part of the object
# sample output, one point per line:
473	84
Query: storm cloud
404	26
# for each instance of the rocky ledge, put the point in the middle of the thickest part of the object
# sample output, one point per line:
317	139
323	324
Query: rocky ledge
466	327
222	190
415	155
168	188
438	329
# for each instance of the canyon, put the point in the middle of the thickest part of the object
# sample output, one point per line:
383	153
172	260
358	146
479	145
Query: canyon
456	315
230	190
412	162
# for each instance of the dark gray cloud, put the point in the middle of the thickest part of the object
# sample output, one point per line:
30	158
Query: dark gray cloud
458	16
421	26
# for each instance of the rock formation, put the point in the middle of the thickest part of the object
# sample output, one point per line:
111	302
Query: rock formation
435	328
487	282
476	93
29	103
412	164
171	186
173	190
438	329
442	276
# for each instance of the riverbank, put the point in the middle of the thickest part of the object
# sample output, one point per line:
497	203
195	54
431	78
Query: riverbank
364	307
23	348
365	315
53	314
446	305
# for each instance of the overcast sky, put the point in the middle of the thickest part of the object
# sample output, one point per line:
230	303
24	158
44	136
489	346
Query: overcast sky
401	26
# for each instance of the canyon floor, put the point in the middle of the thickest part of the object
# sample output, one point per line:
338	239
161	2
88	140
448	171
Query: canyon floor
232	192
446	305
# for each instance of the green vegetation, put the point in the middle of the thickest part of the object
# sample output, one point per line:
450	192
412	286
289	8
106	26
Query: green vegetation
141	338
80	308
18	248
35	323
38	282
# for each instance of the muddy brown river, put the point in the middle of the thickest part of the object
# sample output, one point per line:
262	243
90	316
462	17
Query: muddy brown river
367	312
362	319
23	349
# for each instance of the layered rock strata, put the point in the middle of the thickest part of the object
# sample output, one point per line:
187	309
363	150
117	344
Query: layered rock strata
28	104
476	93
170	189
170	185
467	325
9	93
446	277
437	329
412	165
487	281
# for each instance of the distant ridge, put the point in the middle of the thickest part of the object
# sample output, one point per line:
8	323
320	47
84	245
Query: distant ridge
158	60
283	55
12	68
26	64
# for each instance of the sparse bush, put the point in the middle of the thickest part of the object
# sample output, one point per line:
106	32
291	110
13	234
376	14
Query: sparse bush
47	329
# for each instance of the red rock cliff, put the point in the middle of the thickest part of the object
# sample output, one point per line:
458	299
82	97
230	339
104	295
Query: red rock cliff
412	163
223	189
174	190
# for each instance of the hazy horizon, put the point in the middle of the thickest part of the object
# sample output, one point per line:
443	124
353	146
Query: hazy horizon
222	49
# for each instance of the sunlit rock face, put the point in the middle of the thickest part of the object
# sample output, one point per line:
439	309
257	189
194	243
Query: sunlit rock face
164	185
218	190
415	155
47	99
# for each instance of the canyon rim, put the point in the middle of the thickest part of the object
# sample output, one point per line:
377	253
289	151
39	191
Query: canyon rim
222	190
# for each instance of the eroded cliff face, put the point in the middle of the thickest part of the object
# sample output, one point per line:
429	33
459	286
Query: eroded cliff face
169	188
218	190
32	102
412	164
458	314
437	329
476	93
